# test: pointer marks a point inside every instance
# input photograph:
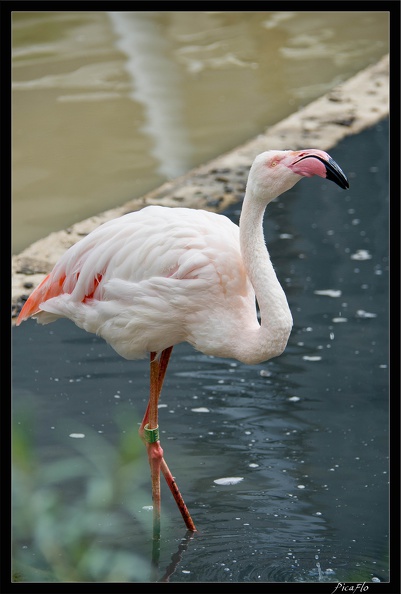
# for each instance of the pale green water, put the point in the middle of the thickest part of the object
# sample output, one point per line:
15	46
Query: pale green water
107	106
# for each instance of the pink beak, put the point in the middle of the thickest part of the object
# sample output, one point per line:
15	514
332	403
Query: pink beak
314	162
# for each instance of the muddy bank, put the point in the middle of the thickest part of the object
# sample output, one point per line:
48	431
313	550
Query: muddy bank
347	109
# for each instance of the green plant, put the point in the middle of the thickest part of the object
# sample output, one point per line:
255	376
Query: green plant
71	517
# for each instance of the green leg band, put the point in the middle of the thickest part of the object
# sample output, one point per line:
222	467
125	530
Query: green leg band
151	435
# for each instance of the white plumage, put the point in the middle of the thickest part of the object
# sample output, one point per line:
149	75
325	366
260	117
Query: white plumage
168	275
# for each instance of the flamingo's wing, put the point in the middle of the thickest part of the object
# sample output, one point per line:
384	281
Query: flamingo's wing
154	242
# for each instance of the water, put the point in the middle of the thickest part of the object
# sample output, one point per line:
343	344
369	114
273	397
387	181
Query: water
108	105
307	433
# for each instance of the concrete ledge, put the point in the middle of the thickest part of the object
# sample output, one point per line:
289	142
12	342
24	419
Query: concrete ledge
347	109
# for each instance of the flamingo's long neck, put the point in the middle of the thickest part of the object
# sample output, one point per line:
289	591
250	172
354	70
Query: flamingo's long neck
270	339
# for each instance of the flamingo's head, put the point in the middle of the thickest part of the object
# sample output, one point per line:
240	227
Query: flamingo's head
275	172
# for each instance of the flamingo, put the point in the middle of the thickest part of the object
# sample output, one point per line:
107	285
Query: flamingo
154	278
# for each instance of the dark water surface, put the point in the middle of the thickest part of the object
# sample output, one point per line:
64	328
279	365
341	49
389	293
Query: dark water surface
307	433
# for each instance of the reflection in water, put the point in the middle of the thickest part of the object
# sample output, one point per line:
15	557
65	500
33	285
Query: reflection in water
176	559
156	83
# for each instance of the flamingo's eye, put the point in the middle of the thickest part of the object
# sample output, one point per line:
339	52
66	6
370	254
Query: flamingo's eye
273	163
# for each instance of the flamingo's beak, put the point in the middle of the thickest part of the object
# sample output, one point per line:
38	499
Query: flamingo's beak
333	171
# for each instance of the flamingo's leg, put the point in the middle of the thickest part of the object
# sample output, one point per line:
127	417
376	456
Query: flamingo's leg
150	435
177	496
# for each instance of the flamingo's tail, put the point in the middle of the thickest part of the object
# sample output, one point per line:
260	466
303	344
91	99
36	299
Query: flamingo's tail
46	290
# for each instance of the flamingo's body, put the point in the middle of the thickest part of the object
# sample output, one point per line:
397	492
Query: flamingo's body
160	276
153	278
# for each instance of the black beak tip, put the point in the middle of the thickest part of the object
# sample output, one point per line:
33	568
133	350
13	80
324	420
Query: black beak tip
334	173
342	182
